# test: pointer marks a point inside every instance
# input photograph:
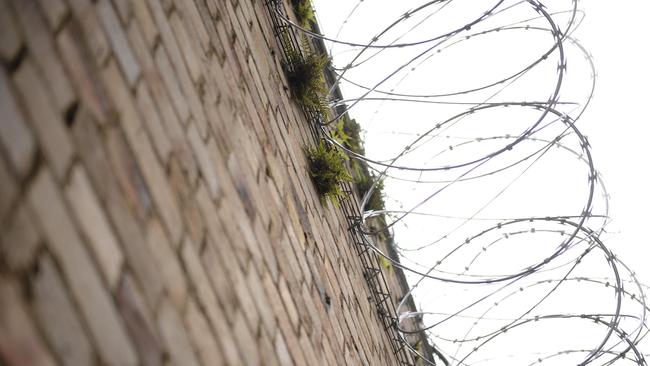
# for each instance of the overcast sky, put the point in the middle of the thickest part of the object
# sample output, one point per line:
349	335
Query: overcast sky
556	184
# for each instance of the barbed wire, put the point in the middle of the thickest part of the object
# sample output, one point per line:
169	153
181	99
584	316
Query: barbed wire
502	237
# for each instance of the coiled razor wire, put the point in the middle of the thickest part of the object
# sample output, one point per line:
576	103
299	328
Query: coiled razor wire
492	191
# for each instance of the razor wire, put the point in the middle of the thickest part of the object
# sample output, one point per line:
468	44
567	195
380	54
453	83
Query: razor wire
493	193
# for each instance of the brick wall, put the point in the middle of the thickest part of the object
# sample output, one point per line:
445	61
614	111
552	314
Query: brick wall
154	201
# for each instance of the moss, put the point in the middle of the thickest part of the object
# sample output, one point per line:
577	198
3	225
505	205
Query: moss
385	263
306	80
327	170
303	10
348	133
376	200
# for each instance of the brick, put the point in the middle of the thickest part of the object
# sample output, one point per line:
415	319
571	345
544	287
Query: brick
308	350
266	246
281	350
170	79
267	349
175	336
226	296
145	23
312	313
41	46
159	94
178	181
193	60
125	9
136	250
15	135
216	229
215	263
96	305
244	337
139	323
254	282
194	222
246	301
201	336
20	343
192	18
175	56
205	164
85	14
139	142
95	225
168	117
119	43
168	264
10	38
49	127
8	189
153	122
20	238
79	62
57	315
127	172
200	281
289	305
55	12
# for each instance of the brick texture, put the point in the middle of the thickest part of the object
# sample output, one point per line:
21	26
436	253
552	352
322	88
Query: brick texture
155	207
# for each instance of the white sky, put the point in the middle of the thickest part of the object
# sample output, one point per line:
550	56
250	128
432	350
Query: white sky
614	122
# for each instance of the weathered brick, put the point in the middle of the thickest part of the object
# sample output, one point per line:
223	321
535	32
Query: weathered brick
205	164
82	68
48	124
145	23
95	226
245	339
168	263
256	289
194	222
192	18
139	322
41	45
226	296
281	350
169	117
193	60
20	238
55	11
57	315
175	336
289	305
10	38
267	349
188	89
127	172
14	131
214	259
171	82
139	142
201	336
136	250
117	38
84	12
20	343
187	160
99	312
152	122
125	9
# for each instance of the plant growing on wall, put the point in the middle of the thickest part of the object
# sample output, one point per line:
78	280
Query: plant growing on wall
306	80
327	170
303	10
